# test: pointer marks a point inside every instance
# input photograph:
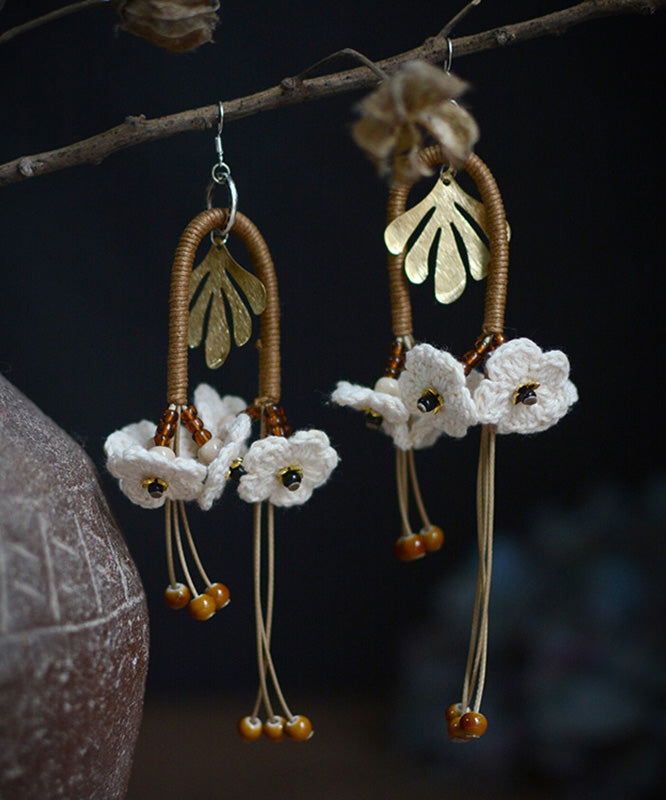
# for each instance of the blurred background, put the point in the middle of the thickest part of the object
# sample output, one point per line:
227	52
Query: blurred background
372	650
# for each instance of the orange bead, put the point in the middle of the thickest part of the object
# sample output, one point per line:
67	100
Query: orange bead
433	538
274	728
299	728
473	724
177	596
169	415
409	548
202	607
250	728
201	437
454	710
219	593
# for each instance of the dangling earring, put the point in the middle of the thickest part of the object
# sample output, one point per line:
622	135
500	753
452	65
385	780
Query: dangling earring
521	389
163	467
283	469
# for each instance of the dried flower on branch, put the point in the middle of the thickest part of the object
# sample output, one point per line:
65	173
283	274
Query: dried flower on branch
177	25
411	106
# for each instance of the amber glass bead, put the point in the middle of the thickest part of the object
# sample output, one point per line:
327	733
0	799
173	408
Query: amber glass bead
473	724
454	710
201	437
161	440
409	548
250	728
455	734
177	596
189	412
274	728
253	412
169	415
194	424
220	594
433	538
299	728
202	607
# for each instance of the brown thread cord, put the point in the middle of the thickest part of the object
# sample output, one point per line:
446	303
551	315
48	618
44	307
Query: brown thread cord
496	229
401	307
269	352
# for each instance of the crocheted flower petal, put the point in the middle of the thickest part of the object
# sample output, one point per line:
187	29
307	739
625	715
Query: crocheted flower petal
400	432
492	400
423	433
514	361
218	470
184	478
361	397
237	429
263	462
216	411
312	451
427	367
554	368
138	433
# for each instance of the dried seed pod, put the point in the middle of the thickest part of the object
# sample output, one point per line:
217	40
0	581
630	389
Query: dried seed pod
176	25
415	101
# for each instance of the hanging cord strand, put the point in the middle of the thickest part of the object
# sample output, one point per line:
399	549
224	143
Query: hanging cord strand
480	581
265	634
416	490
190	541
168	538
270	594
258	617
401	486
486	553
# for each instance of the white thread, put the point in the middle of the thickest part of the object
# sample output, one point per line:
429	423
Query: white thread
234	435
519	363
426	367
132	456
309	451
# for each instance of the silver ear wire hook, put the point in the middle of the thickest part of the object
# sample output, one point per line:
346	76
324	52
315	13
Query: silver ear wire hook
221	176
449	55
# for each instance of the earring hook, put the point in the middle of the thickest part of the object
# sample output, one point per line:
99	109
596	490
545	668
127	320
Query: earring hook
221	176
449	55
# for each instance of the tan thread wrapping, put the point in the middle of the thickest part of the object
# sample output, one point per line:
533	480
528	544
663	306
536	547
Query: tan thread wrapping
269	345
496	228
401	306
269	352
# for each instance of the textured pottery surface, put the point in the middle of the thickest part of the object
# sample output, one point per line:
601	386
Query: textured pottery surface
73	619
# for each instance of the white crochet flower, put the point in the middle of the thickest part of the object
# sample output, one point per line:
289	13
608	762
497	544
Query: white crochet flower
136	462
233	435
387	404
525	390
434	389
304	461
216	411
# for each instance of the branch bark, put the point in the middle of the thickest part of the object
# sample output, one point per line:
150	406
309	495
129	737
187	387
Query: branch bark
50	17
292	91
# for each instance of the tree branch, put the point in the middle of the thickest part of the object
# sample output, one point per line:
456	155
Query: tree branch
50	17
292	91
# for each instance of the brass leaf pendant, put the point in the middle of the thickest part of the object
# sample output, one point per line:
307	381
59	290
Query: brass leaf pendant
445	215
211	284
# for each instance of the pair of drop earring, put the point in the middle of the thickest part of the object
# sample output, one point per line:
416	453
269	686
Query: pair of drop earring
197	449
425	393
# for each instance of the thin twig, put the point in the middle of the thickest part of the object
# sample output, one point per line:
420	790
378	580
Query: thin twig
346	51
50	17
451	24
136	130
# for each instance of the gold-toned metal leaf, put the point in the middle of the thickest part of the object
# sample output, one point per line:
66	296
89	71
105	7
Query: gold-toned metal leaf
449	207
211	280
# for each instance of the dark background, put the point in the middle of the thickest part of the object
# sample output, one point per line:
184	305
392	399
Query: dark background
572	128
